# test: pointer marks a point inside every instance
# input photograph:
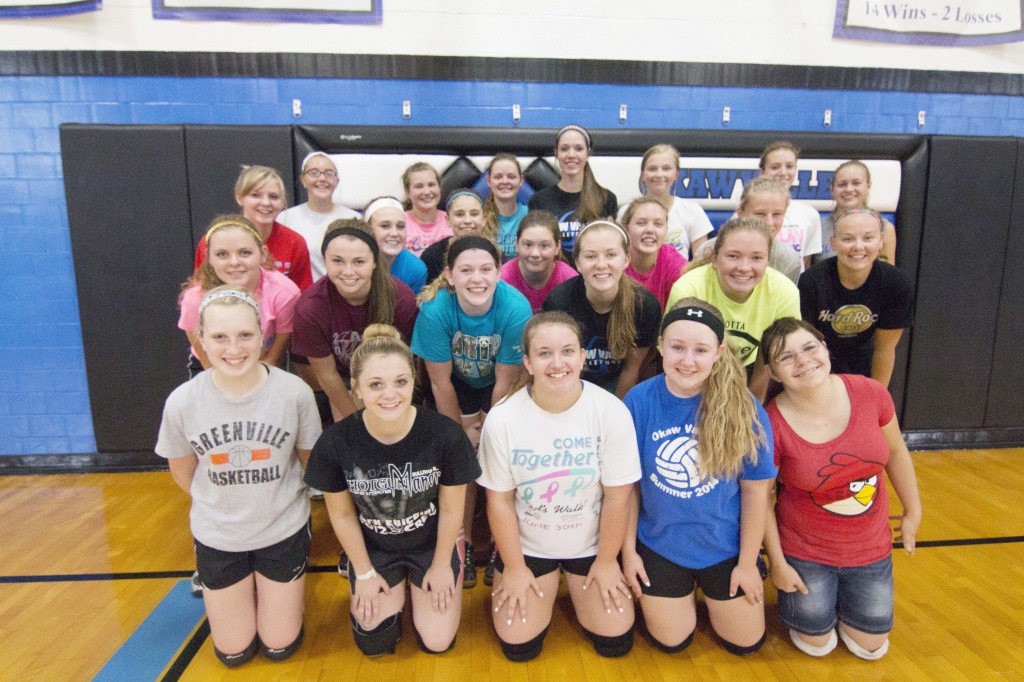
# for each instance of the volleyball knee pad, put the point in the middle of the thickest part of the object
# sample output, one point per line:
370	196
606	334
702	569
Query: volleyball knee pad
242	657
427	650
527	651
810	649
284	652
380	640
611	647
859	651
737	650
675	649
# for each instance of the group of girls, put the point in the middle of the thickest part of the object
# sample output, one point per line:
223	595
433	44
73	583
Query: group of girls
555	388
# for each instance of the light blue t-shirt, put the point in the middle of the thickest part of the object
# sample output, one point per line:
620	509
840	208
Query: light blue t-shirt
691	521
409	269
473	343
507	228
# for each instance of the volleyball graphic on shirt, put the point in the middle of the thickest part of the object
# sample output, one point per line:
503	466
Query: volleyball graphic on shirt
676	462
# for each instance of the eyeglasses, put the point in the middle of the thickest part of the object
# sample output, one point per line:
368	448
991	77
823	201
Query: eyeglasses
790	357
316	173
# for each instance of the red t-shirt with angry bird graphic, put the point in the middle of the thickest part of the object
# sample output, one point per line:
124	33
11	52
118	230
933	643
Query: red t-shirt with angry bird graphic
833	507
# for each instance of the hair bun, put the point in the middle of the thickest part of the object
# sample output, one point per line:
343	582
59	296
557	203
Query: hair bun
381	331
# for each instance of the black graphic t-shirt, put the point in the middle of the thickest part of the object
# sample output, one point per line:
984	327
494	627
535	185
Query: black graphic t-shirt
394	487
600	367
848	317
563	204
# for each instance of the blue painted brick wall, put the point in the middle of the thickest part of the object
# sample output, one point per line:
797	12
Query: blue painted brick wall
44	404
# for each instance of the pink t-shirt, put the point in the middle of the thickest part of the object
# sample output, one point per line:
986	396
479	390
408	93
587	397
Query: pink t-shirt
275	293
510	273
668	267
418	236
833	507
287	249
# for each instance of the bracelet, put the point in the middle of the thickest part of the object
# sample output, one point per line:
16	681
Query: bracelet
366	576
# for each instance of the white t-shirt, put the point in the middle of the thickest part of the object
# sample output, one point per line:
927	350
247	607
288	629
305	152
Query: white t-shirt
687	222
312	226
557	464
801	230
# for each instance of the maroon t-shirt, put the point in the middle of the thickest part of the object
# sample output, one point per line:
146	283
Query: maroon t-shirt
327	324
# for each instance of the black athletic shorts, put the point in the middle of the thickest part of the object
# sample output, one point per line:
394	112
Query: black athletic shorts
541	567
282	562
669	579
395	567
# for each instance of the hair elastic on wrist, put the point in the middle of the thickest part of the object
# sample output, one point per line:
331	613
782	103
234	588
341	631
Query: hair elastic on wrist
695	314
228	293
462	193
353	232
232	223
579	129
379	203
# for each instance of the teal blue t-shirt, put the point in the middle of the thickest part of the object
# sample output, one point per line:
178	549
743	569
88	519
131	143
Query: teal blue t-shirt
473	343
507	228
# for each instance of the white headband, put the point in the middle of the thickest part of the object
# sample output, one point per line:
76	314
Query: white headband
383	202
315	154
606	223
229	293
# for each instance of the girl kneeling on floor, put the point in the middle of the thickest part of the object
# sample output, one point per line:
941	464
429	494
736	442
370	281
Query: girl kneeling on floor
236	438
705	449
394	478
559	462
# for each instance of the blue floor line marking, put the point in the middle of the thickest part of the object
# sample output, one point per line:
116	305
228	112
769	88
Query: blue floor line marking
152	646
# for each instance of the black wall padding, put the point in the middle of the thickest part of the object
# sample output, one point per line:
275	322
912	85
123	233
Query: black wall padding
541	141
963	249
1005	406
461	174
215	158
128	213
909	223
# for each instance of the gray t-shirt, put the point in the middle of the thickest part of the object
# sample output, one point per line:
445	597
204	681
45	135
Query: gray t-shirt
247	492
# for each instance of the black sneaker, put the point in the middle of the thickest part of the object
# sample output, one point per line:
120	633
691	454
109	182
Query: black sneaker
197	587
343	565
489	570
469	569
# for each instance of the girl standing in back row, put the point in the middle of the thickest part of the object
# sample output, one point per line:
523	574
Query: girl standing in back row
259	192
577	199
424	222
801	228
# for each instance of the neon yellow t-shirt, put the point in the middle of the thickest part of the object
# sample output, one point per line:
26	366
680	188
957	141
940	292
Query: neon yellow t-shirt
775	296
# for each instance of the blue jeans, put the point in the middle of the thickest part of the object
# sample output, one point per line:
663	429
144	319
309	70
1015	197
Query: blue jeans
860	596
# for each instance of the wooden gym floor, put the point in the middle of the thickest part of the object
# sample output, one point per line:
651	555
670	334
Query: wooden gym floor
93	570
